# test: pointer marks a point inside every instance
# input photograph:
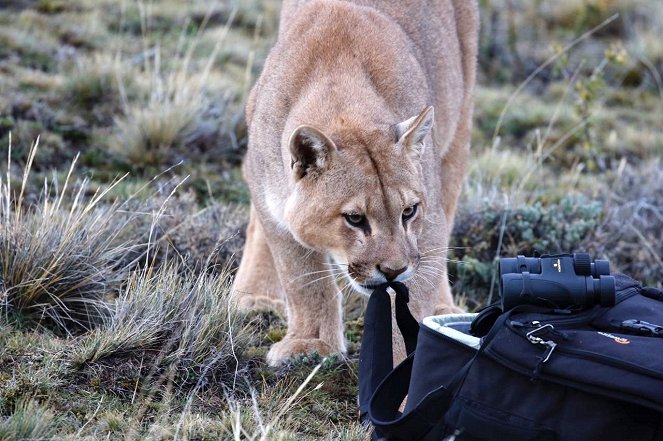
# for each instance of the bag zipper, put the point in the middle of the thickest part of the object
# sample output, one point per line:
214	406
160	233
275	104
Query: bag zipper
534	337
584	317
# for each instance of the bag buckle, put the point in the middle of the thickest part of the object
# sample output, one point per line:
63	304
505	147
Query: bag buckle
642	327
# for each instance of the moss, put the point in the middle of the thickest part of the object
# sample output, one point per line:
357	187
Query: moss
51	6
6	124
275	334
354	330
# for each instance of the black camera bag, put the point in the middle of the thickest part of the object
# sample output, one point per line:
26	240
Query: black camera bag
537	374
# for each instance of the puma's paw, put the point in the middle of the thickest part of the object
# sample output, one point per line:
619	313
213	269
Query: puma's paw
261	303
289	347
443	309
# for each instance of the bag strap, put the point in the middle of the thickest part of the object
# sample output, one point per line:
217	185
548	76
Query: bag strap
428	414
376	353
407	324
419	421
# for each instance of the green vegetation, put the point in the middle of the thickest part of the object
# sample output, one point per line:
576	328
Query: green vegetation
119	232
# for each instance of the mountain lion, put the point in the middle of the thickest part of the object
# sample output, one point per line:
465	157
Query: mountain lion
359	135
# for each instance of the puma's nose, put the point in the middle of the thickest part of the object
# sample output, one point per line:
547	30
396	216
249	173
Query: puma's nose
389	273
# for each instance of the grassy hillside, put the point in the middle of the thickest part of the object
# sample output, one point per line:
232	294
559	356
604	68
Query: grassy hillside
122	209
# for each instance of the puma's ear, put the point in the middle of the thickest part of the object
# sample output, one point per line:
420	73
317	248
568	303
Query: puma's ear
311	151
412	132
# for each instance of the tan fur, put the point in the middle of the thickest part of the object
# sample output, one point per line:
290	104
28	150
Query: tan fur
339	124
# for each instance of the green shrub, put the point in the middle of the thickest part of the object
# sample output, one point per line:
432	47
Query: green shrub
478	237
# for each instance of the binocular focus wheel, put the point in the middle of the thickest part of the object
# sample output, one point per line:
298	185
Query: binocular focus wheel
582	264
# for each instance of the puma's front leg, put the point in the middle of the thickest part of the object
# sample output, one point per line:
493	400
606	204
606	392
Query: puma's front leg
313	302
256	284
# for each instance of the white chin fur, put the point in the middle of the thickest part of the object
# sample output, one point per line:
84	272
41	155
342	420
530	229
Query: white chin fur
368	291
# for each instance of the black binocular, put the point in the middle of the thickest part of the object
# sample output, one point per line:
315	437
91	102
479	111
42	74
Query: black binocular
559	281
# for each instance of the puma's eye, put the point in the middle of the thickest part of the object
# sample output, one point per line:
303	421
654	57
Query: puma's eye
354	219
409	212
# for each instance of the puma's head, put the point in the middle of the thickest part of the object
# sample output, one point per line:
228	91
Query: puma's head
359	197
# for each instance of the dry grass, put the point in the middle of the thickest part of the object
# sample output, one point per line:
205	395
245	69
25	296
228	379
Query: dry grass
29	420
148	136
164	320
96	80
156	128
630	234
59	263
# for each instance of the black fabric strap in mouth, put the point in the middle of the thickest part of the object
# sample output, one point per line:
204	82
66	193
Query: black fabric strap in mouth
376	353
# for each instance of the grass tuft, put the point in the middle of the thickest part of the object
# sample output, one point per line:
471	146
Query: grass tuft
180	110
29	420
164	322
146	136
95	81
59	254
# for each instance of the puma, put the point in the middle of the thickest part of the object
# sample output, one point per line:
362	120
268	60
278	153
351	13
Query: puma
359	136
